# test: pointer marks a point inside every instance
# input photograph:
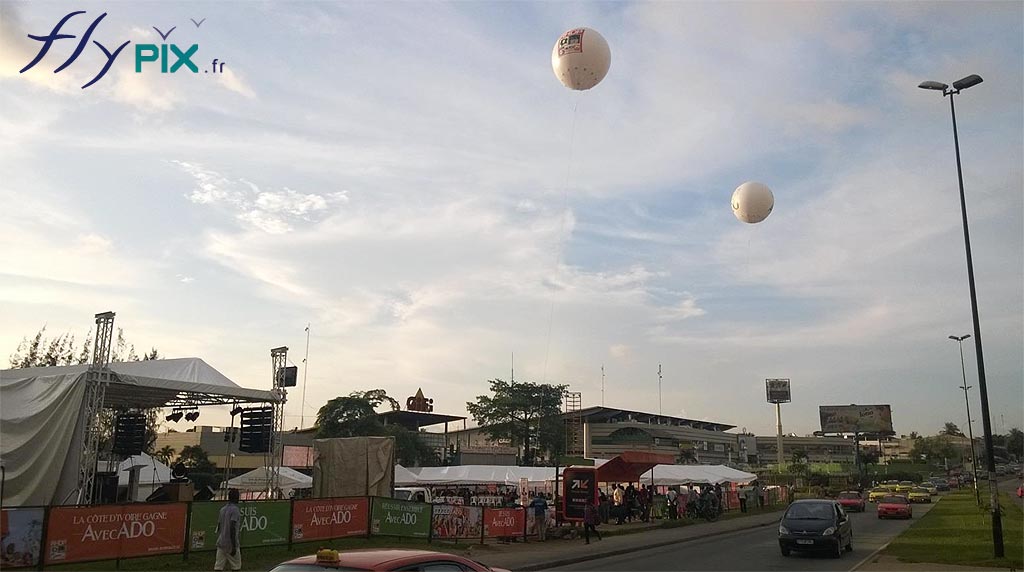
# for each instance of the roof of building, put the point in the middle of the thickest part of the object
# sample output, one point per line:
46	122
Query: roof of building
415	419
600	414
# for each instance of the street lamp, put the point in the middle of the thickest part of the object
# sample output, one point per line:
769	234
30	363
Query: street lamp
997	523
970	430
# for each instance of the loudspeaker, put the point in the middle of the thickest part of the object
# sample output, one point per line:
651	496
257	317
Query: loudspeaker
129	433
257	430
287	376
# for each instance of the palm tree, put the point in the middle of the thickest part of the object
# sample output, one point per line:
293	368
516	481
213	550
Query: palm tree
164	455
950	428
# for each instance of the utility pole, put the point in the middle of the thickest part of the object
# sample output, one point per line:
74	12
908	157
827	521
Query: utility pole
305	371
602	385
659	389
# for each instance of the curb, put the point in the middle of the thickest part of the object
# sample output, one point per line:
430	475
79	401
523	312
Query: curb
870	556
620	551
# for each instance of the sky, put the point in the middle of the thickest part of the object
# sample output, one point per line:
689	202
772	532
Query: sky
412	181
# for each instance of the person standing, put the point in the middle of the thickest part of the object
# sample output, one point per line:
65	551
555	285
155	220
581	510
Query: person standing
540	515
229	551
672	512
619	498
591	519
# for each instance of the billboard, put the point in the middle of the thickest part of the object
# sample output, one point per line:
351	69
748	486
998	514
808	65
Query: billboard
457	521
317	519
503	522
21	537
855	419
579	489
777	390
393	517
77	534
262	523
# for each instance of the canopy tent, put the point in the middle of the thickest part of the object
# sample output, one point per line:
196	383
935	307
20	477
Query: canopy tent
259	480
697	474
477	475
629	465
152	474
42	416
404	477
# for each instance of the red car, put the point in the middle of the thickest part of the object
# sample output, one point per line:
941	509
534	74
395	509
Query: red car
895	506
851	501
383	560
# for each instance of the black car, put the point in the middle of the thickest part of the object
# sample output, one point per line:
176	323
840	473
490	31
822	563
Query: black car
816	525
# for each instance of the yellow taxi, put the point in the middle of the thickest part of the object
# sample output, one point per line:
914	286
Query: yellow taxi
904	487
919	494
878	493
890	485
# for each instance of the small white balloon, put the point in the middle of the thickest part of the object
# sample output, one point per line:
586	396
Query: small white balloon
581	58
752	202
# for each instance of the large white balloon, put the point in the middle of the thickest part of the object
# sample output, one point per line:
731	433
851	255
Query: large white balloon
581	58
752	202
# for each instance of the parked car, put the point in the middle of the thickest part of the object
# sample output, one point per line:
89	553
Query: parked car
815	525
851	501
895	506
877	493
919	494
383	560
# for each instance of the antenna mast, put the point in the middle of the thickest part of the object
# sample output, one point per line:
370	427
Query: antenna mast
305	371
659	389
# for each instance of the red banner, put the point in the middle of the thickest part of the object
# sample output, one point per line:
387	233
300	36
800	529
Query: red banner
500	522
77	534
315	519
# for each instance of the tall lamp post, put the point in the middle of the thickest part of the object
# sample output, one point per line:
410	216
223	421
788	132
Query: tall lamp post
970	429
997	522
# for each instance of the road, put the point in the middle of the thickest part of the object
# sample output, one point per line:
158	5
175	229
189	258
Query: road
757	549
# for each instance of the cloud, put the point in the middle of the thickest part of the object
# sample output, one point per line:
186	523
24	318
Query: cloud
233	82
269	211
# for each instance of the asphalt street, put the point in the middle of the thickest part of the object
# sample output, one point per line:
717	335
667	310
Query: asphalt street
758	549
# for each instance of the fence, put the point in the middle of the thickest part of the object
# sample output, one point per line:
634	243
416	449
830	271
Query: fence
39	536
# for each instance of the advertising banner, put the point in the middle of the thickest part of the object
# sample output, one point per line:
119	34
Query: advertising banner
393	517
263	523
21	537
579	489
76	534
456	521
316	519
499	522
778	390
855	418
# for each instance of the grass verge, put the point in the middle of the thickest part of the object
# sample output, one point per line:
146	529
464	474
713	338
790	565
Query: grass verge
957	531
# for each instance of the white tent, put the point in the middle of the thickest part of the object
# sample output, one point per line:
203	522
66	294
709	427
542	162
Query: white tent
480	475
42	416
152	474
698	474
259	480
404	477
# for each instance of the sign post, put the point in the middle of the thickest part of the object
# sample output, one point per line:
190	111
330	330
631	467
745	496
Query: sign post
778	392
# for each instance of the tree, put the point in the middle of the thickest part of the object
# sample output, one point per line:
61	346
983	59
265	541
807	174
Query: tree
164	455
799	457
914	435
1015	443
869	457
951	429
39	351
195	459
934	449
514	411
355	415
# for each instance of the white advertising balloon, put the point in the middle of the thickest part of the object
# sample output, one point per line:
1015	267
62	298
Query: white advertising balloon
752	202
581	58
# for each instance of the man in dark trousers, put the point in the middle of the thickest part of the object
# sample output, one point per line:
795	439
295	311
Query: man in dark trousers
540	515
229	553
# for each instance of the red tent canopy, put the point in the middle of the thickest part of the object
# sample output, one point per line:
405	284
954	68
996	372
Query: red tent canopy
628	466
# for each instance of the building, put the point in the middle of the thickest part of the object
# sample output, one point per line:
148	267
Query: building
607	432
818	449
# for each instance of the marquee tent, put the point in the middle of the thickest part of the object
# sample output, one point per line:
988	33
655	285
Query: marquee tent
259	480
152	474
42	416
478	475
697	474
404	477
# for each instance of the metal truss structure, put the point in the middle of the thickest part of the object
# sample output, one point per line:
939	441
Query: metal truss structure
97	379
279	361
573	423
